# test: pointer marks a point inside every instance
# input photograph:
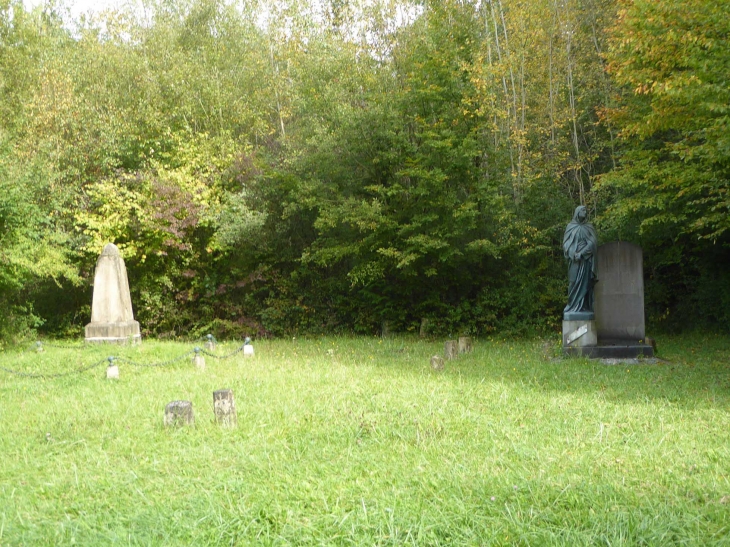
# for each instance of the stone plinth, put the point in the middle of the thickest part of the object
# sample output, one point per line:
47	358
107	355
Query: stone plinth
614	349
579	316
579	334
620	292
112	318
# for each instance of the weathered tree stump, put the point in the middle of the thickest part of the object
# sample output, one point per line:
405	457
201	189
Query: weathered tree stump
198	360
451	349
112	372
224	407
465	344
437	362
179	413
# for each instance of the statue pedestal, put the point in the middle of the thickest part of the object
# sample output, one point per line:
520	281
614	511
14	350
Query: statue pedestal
580	339
122	332
579	333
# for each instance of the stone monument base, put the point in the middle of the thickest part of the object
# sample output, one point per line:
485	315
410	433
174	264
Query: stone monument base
113	333
612	349
579	333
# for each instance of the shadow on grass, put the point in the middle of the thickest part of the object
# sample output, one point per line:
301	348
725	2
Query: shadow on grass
692	370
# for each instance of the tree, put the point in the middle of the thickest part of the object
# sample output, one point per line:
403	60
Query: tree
672	57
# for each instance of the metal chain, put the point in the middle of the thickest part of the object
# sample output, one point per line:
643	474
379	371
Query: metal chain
60	346
59	375
214	356
162	364
112	360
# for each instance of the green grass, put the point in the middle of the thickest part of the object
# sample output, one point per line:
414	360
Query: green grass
358	442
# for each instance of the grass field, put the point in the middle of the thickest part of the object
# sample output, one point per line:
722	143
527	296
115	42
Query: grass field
358	442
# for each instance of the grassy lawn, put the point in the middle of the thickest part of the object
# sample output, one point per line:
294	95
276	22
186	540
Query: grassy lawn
358	442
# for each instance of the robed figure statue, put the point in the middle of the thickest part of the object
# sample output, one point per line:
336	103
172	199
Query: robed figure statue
579	246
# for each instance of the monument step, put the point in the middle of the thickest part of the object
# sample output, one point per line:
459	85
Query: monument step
612	349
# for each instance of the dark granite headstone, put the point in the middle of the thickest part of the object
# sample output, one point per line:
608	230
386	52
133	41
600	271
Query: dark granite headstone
619	292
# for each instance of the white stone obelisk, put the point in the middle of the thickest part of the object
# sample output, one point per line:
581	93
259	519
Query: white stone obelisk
112	319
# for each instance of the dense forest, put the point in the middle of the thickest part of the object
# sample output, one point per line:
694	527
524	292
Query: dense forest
271	167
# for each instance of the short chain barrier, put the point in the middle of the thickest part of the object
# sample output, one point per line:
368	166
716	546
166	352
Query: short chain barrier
37	346
162	364
246	342
59	375
214	356
61	346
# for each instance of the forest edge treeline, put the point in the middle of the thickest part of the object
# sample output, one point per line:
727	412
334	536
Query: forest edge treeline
276	168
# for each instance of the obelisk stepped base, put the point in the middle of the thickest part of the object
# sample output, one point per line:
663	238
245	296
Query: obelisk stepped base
124	332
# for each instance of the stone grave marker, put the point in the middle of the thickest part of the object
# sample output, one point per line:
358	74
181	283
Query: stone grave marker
224	407
451	349
620	292
465	344
179	413
437	362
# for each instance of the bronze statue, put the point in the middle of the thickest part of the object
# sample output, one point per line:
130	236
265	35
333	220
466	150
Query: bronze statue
579	247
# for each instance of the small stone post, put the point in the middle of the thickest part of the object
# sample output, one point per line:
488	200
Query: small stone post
179	413
210	343
247	347
198	360
437	362
39	347
112	370
465	344
224	407
450	349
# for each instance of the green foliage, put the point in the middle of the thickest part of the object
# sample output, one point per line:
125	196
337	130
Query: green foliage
670	189
284	167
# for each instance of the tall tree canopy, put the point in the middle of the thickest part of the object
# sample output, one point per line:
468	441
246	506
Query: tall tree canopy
272	166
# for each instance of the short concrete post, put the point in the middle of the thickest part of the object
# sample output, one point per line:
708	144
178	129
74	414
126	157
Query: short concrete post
224	407
198	360
450	349
112	370
39	347
179	413
437	362
465	344
210	343
248	350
